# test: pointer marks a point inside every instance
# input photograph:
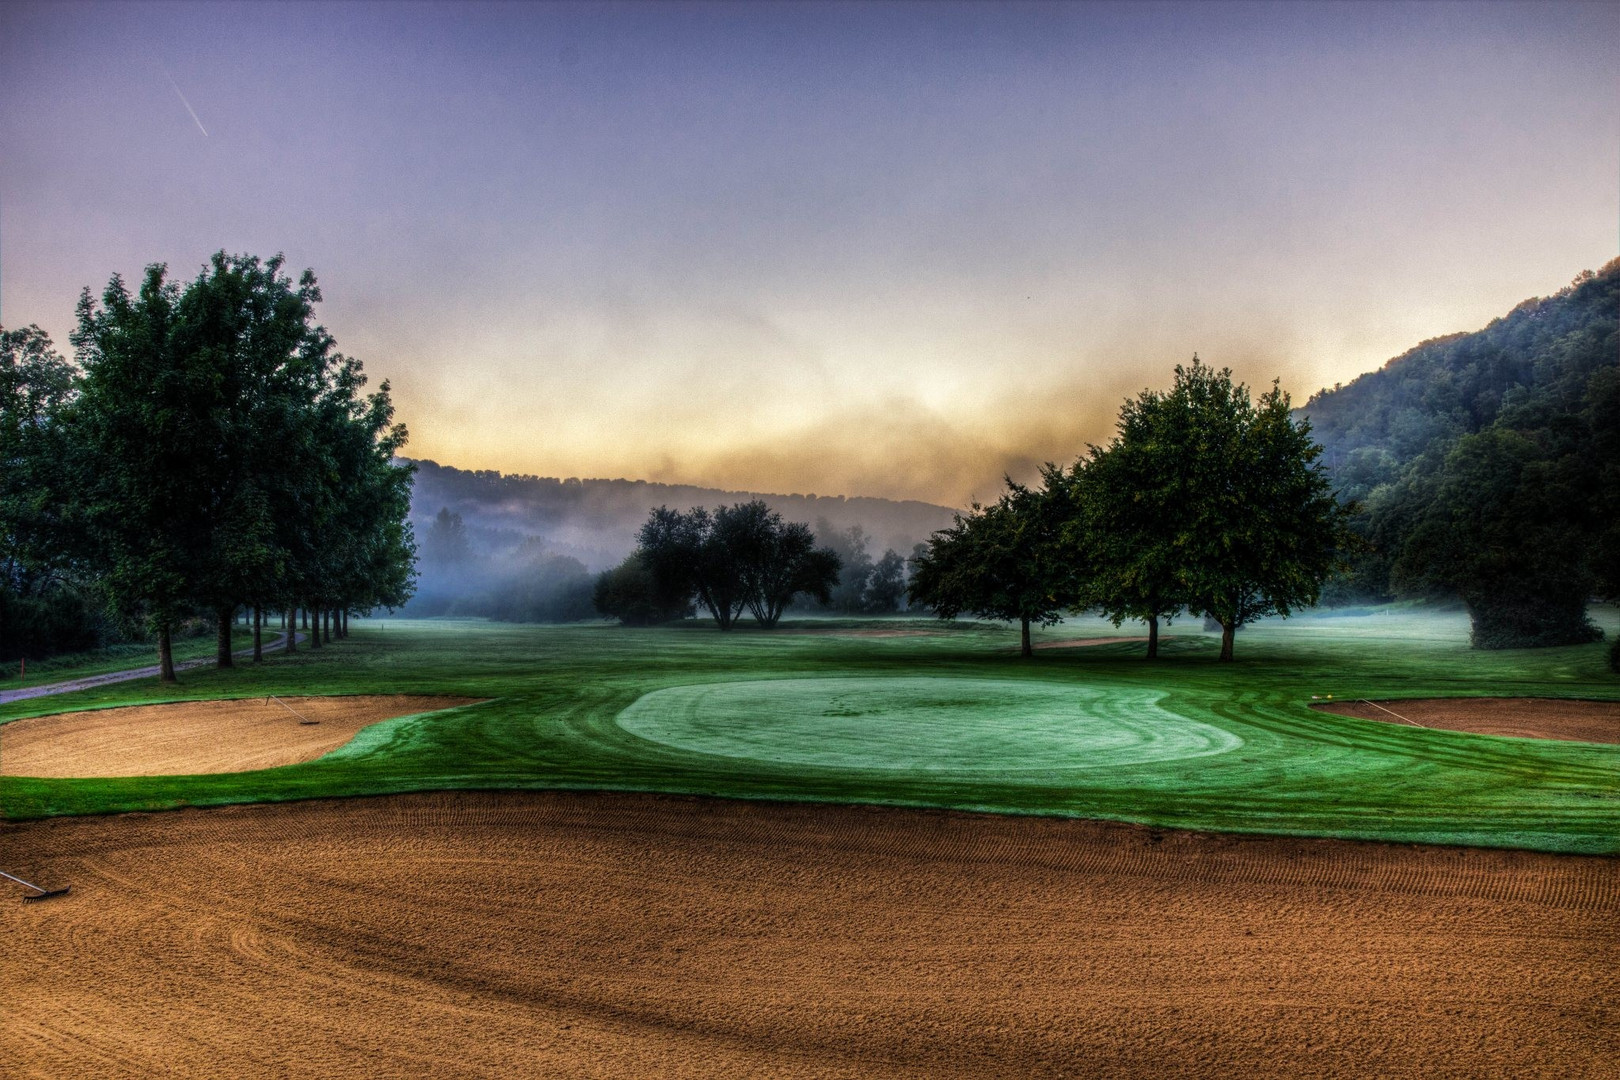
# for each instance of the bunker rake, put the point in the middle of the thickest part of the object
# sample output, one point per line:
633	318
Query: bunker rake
39	893
302	719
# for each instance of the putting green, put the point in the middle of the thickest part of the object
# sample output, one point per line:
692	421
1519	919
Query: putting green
930	725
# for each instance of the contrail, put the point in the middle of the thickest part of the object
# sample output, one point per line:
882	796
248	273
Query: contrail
184	102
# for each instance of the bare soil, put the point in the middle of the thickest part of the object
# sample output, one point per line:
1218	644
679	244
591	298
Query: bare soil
1528	718
1076	643
610	935
858	633
191	737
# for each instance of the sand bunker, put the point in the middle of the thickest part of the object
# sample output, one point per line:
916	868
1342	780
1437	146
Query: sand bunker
196	736
1528	718
556	934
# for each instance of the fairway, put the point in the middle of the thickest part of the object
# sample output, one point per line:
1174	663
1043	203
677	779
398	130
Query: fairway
950	718
940	725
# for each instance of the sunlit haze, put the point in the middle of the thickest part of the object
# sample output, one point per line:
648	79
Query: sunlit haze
864	249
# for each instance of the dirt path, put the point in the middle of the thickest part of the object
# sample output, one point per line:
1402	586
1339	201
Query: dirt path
151	672
1528	718
621	935
191	737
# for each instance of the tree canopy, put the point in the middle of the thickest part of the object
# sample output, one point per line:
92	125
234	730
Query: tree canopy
735	558
210	449
1205	500
1007	560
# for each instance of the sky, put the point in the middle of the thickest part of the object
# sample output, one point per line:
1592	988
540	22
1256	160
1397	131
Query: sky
876	249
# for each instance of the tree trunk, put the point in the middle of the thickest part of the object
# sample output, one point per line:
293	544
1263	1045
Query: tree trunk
1228	632
289	623
315	634
258	633
165	655
1026	648
345	623
284	618
1153	637
227	624
326	624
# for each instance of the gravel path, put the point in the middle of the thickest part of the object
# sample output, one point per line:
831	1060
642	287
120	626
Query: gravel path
89	681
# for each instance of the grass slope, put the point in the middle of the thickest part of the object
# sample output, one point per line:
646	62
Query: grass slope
1276	766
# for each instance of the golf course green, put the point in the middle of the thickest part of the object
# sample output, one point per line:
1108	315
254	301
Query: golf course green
947	718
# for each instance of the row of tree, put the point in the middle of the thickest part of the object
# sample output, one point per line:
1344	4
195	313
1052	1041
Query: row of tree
729	560
1205	502
210	449
865	586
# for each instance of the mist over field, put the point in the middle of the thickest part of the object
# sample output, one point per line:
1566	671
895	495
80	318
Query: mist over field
529	546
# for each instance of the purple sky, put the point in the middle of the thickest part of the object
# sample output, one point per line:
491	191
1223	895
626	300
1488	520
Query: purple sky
874	249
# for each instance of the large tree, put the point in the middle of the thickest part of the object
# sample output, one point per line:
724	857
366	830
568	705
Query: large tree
1249	521
1125	503
1004	561
779	561
136	442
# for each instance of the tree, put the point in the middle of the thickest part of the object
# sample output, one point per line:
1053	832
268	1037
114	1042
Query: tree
629	593
135	440
1124	509
849	593
35	384
886	587
445	542
1247	511
1505	530
224	454
45	606
737	558
1002	561
778	561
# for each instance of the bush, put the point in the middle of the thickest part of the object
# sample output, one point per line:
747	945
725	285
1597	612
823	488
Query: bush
1523	618
630	593
63	620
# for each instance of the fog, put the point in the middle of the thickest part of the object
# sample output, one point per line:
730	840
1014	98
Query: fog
527	548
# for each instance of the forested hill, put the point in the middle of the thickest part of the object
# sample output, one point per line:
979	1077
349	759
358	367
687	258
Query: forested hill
1537	359
595	521
1486	466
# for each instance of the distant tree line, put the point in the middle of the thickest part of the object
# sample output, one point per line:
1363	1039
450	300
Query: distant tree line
208	450
1205	502
597	520
728	561
865	586
1486	467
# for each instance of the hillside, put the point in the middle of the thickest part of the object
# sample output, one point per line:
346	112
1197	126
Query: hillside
1486	466
595	521
1538	358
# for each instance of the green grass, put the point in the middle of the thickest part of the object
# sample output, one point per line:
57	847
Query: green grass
117	658
953	720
